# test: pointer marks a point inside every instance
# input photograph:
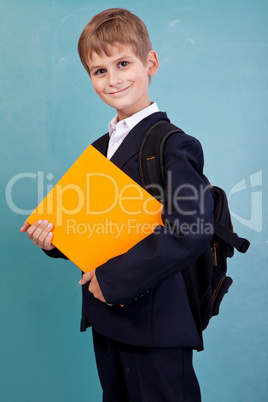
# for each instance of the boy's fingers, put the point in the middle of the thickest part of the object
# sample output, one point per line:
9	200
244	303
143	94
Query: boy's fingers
47	245
87	277
39	231
45	238
44	231
35	226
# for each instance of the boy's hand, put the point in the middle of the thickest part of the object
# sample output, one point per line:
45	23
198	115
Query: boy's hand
94	286
40	233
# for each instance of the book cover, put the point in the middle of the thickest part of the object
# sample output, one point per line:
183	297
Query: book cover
98	211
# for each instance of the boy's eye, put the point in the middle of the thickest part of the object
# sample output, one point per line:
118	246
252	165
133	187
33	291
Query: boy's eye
100	71
123	63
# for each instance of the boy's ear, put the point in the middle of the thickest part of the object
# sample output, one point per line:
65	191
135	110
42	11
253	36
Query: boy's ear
153	63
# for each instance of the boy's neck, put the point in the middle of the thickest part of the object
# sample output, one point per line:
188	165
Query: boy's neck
121	116
134	119
124	116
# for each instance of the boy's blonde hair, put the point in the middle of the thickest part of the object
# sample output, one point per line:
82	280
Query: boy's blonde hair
111	27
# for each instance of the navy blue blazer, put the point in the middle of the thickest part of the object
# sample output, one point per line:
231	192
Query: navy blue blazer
147	280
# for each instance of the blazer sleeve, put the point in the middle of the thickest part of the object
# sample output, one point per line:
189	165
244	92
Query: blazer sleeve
188	214
55	253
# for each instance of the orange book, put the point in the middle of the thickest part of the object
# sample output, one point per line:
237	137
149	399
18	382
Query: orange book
98	211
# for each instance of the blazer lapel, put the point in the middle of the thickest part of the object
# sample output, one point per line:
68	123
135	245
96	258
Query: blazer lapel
131	144
101	144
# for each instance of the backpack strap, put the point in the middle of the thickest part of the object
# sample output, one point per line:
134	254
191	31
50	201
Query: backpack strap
151	156
233	239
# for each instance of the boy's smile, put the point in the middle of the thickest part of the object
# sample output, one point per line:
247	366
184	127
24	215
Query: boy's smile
121	79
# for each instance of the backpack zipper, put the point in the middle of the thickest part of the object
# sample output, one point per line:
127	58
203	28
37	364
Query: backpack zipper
214	251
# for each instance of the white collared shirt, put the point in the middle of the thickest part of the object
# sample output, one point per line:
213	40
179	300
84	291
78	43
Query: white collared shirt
118	130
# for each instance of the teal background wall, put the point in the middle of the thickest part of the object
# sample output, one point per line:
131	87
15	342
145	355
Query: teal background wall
212	82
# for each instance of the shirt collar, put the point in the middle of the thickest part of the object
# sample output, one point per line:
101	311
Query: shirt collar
133	120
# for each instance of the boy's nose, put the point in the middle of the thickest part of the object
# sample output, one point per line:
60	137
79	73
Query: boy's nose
114	78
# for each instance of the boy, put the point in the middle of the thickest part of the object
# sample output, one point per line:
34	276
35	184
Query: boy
143	349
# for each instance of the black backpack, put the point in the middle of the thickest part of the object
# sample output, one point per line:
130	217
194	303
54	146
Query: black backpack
205	279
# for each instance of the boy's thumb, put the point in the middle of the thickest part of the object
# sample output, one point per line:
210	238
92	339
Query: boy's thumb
87	277
25	227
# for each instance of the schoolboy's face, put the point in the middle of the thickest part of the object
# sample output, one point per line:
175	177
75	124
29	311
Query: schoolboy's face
121	80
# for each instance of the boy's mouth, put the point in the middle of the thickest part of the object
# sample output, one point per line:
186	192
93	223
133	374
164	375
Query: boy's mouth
119	92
